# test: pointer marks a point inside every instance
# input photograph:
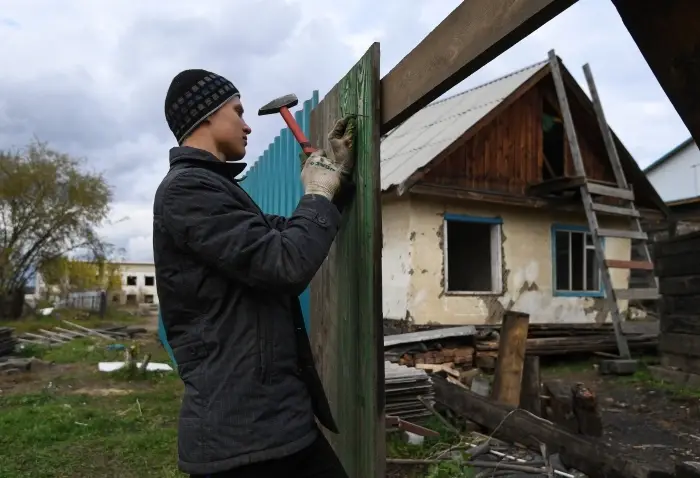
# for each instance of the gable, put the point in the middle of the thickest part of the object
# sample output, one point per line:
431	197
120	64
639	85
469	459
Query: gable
677	177
403	165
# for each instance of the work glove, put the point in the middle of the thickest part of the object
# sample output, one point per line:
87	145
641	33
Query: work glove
323	174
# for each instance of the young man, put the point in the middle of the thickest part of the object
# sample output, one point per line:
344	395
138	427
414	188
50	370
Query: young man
228	280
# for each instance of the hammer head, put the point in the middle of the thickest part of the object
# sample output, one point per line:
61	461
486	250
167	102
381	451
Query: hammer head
276	105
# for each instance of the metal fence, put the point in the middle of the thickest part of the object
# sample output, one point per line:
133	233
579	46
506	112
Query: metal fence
273	181
94	301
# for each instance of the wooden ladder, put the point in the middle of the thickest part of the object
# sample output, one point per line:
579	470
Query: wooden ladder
591	190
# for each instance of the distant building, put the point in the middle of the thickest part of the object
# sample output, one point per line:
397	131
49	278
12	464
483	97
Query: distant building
138	284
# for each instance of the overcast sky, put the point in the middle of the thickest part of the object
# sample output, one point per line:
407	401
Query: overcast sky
90	76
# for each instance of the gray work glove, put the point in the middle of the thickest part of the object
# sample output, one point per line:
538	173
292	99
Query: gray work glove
323	174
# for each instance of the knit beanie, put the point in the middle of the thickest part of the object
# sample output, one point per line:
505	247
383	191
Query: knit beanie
192	97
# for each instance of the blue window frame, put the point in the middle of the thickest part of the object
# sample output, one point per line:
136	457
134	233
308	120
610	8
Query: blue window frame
472	255
574	264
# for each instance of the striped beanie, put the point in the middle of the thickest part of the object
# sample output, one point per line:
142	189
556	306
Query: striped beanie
192	97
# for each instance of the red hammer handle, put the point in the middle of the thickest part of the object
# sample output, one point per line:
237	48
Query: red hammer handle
296	131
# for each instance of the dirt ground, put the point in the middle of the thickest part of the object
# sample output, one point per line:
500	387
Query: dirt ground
650	421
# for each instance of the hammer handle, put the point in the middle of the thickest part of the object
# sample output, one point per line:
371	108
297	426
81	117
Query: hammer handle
296	131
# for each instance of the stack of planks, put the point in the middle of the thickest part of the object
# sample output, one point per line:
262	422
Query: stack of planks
404	386
7	341
561	339
677	264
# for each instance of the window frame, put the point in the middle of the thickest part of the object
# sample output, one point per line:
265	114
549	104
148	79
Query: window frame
496	224
573	293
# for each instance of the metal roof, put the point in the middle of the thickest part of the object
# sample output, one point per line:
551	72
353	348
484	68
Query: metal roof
413	144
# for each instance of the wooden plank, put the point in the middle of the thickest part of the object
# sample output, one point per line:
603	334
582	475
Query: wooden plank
682	305
609	191
678	265
626	234
511	353
681	344
615	210
593	457
682	244
674	61
636	265
557	185
531	388
476	32
647	293
346	304
689	285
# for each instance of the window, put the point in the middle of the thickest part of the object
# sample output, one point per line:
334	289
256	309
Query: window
130	280
149	280
552	143
576	271
148	299
472	255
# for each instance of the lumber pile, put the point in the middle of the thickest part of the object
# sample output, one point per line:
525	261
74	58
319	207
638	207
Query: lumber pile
404	387
56	336
7	341
562	339
594	457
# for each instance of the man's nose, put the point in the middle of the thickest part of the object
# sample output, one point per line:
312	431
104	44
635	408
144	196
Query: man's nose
247	129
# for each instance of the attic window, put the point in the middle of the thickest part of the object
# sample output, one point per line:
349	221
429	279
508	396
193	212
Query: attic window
552	143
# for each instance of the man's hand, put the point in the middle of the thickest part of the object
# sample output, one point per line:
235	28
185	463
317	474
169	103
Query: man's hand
323	175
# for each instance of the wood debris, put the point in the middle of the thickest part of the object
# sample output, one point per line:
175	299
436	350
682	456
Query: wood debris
7	341
57	336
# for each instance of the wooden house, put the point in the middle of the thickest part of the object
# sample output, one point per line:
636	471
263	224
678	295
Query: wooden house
481	213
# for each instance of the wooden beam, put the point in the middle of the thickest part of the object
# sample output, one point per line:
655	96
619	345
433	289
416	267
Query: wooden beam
476	32
511	356
593	457
346	300
674	61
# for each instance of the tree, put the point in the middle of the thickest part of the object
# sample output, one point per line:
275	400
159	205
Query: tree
49	207
80	274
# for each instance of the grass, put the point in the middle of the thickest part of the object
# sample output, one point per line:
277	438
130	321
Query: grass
74	421
34	323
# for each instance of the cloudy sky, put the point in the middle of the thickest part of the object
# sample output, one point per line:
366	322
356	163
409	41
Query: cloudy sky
90	76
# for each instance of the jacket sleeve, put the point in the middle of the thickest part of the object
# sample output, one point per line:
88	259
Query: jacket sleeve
278	222
206	218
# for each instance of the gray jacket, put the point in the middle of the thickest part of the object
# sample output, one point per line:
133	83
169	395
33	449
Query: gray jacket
228	279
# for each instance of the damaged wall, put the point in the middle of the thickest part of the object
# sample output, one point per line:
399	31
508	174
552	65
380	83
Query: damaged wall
413	265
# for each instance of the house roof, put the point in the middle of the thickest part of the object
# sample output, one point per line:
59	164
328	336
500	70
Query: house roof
416	142
663	159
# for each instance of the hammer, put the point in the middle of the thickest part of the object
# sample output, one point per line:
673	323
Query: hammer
281	105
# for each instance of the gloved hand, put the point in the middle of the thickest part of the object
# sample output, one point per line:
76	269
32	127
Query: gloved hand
323	175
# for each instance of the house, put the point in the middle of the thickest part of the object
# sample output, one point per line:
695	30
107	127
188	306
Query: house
138	284
472	222
676	176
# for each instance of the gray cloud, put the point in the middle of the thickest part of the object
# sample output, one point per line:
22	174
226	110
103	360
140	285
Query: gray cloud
93	75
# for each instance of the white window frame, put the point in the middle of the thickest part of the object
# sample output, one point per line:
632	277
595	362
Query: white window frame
496	224
588	247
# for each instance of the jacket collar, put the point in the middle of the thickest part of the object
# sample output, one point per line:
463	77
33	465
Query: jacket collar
194	155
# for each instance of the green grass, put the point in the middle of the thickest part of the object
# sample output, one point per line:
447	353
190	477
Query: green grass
50	434
34	323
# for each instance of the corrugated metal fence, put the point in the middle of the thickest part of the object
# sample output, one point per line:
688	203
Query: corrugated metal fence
273	181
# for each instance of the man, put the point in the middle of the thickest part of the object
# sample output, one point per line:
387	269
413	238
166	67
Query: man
228	280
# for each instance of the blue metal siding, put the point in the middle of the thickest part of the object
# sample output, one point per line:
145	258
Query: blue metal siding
273	181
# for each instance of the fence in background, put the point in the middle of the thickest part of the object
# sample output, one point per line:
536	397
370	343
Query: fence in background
94	301
273	181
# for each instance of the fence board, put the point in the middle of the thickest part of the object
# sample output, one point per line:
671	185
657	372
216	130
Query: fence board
346	321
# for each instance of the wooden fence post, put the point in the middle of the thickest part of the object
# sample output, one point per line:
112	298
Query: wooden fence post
511	355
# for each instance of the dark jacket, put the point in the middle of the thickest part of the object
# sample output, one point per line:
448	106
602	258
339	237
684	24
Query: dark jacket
228	279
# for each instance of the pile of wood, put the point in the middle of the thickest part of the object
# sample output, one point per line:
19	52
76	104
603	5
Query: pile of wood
7	341
404	389
561	339
61	335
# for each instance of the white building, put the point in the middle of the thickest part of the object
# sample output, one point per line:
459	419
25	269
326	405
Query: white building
138	284
676	175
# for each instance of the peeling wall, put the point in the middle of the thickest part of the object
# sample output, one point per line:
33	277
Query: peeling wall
396	256
413	263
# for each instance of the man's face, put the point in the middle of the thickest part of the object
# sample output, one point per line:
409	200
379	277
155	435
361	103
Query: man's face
229	130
